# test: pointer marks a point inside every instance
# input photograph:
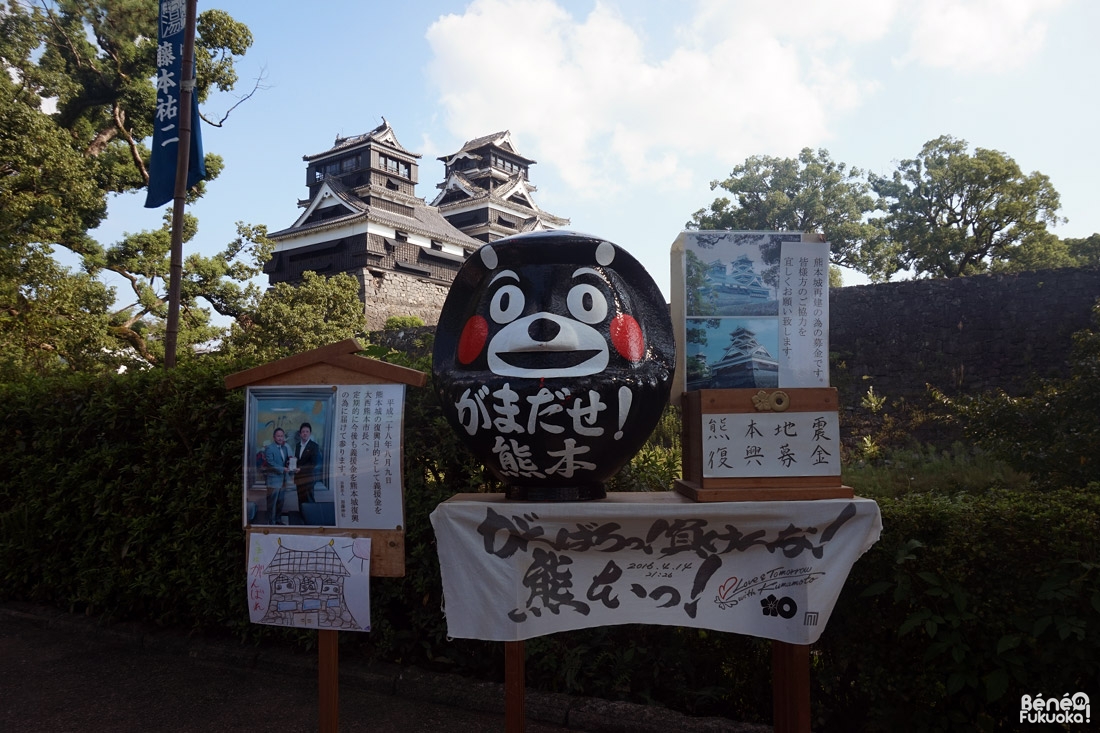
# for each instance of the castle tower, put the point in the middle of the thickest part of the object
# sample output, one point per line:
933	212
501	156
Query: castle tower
486	192
362	217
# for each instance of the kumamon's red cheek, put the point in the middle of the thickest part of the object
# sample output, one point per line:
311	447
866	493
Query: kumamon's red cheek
472	340
626	337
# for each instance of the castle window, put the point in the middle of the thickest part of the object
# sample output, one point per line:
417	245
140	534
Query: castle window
506	222
506	165
393	165
401	236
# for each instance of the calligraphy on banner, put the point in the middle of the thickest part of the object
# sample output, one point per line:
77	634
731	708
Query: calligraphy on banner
765	569
171	29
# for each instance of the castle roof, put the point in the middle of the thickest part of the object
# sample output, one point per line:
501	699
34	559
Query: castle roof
322	561
425	220
502	140
382	134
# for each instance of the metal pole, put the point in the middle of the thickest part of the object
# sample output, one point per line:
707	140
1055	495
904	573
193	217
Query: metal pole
183	156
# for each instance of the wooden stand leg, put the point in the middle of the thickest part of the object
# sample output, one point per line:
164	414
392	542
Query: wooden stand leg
790	687
328	680
514	687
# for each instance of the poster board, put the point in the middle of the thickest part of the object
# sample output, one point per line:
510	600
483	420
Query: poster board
750	310
321	372
351	435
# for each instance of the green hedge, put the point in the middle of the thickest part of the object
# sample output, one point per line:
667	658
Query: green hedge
121	498
965	604
121	495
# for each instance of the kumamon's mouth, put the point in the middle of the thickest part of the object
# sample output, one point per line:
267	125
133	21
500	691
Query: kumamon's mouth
538	360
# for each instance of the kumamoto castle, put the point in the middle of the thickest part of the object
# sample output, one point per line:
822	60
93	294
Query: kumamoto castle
362	217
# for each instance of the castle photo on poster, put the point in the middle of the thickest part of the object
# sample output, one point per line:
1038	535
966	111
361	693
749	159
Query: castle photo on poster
751	309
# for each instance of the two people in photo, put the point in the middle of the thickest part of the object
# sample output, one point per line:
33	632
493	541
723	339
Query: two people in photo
298	467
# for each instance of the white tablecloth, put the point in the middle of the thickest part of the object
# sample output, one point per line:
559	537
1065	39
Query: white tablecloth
516	570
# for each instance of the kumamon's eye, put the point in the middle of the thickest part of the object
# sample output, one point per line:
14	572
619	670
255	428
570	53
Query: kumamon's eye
587	304
506	305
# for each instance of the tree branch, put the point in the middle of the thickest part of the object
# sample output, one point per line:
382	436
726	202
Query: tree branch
135	153
257	86
134	339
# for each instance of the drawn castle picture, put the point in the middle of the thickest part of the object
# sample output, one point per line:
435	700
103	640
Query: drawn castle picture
306	590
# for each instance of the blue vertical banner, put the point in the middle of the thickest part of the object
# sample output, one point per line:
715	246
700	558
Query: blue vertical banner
166	133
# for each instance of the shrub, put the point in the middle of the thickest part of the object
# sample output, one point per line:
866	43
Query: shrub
397	323
122	495
966	603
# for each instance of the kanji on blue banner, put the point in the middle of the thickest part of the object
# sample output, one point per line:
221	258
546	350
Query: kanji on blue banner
162	164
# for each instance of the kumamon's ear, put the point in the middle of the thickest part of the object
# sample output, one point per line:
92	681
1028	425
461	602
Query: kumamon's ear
488	256
605	253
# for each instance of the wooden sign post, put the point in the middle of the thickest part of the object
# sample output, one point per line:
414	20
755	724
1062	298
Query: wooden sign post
336	364
751	314
766	445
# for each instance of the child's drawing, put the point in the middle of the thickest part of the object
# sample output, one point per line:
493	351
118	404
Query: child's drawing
302	581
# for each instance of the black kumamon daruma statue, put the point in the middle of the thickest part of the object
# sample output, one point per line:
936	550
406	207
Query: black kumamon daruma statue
553	360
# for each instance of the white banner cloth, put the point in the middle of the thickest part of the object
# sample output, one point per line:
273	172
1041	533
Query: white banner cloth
516	570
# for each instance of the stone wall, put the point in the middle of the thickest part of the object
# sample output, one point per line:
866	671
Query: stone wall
389	294
962	335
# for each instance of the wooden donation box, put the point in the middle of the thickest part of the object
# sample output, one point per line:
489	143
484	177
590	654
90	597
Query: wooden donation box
761	445
760	421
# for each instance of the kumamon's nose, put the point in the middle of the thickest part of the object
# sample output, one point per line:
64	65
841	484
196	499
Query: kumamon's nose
543	329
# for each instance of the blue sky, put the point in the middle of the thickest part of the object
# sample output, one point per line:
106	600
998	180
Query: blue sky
632	107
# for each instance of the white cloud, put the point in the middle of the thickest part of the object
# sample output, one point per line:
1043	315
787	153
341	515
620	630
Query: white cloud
813	23
978	35
580	94
48	105
591	98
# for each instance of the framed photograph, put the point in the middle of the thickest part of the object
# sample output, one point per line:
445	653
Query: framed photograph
288	437
324	456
